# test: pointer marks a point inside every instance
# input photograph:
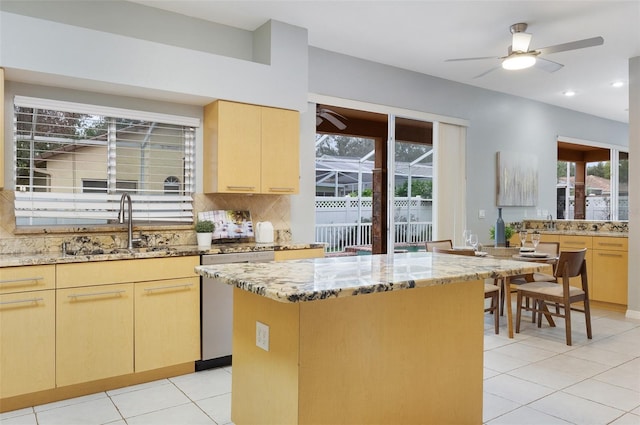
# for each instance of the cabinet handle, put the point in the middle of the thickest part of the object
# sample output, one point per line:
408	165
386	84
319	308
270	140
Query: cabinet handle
281	189
96	294
241	187
575	243
606	254
160	288
610	244
26	279
28	300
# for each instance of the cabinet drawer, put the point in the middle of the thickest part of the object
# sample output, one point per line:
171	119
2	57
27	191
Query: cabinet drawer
27	278
575	242
610	243
122	271
298	254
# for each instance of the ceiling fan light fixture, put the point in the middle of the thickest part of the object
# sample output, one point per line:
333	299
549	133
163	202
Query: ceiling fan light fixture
516	62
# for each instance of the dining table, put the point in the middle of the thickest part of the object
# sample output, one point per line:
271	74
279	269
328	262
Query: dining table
504	283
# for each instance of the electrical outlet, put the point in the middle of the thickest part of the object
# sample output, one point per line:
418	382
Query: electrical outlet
262	336
482	213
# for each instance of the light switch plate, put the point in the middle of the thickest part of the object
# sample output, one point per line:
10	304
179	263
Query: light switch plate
262	336
482	213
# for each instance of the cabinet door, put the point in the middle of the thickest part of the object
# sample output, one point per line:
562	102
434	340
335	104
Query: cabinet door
27	342
610	276
167	323
94	333
574	242
232	148
280	151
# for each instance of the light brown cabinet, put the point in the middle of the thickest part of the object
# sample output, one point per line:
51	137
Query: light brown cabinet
167	322
610	269
121	317
94	333
27	330
250	149
575	242
298	254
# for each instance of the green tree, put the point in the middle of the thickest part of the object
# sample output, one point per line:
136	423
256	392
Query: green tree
422	188
353	147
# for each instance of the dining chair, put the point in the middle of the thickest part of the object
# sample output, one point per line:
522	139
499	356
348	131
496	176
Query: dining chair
444	243
559	294
491	291
551	248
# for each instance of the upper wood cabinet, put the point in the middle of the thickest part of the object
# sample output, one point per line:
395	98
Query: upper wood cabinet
250	149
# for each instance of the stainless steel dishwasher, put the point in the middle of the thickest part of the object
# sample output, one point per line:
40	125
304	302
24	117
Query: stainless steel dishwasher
216	309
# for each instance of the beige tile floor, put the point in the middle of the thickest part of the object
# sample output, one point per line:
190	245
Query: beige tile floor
532	379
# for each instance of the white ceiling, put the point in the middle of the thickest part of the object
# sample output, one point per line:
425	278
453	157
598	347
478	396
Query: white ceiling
420	35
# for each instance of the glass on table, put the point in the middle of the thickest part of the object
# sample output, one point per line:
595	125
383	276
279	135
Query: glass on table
473	240
465	236
535	239
523	237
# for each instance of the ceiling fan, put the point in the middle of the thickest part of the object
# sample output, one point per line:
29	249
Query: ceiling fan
520	57
331	116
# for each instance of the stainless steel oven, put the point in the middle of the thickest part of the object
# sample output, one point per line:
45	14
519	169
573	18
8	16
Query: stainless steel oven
216	309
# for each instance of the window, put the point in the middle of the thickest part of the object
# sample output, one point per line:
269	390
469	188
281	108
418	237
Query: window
73	162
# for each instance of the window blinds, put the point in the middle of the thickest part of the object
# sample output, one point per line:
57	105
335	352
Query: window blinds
73	162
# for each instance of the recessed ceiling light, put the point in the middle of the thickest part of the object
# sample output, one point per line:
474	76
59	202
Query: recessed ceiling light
569	93
617	84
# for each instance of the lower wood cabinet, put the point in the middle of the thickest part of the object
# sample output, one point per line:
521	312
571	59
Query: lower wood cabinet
167	323
610	270
298	254
94	333
27	342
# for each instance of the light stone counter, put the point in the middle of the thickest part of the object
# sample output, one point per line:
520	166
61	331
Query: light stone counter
314	279
110	254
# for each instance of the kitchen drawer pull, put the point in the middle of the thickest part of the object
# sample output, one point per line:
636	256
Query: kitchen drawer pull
575	243
26	279
281	189
28	300
96	294
610	244
241	187
606	254
160	288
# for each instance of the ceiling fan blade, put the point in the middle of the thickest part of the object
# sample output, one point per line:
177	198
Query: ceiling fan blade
573	45
547	65
520	42
329	111
471	59
333	120
318	120
486	72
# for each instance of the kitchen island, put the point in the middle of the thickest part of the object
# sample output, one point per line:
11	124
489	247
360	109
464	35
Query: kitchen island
361	339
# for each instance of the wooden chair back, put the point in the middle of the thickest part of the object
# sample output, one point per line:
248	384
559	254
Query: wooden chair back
444	243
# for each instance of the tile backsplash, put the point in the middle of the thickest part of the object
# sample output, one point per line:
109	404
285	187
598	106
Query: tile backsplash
273	208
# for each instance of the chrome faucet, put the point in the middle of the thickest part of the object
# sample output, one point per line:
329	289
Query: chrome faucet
127	197
550	224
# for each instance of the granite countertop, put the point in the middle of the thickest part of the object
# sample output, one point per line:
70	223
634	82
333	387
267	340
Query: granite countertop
315	279
583	233
24	259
